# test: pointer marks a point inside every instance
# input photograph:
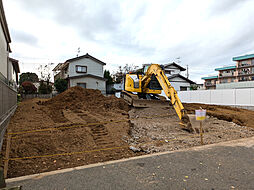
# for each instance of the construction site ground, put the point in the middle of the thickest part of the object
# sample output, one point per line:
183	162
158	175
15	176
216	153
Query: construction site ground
82	126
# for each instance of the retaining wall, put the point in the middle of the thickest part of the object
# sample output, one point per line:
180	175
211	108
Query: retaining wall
231	97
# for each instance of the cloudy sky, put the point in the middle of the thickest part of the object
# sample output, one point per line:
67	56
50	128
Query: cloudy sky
205	34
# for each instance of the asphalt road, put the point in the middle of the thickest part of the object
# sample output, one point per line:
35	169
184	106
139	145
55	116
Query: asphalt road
222	166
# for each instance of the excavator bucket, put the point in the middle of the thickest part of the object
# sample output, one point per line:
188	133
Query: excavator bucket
185	123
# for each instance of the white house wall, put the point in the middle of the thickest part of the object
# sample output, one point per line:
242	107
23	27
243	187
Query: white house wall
91	83
11	72
177	85
3	53
93	67
177	82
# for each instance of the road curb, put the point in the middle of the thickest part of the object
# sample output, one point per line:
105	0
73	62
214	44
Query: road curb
246	142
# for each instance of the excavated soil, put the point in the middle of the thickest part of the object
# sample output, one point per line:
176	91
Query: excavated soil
81	120
241	117
156	130
74	109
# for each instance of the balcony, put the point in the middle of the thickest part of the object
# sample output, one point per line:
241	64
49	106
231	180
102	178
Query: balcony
246	65
226	75
245	73
210	84
249	78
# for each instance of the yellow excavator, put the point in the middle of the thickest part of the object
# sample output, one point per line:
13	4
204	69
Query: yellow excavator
143	89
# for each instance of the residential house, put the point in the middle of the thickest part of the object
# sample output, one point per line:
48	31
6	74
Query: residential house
5	49
178	81
85	71
240	75
173	73
173	69
8	77
13	70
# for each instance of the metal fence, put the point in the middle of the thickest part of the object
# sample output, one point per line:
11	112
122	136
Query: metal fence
8	104
31	96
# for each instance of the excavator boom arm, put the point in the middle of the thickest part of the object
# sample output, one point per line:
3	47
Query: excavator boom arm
166	86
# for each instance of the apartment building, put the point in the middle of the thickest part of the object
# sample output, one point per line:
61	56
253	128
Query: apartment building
244	68
240	75
210	82
226	74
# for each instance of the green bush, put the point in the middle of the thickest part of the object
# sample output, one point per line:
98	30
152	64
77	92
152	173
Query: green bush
61	85
44	88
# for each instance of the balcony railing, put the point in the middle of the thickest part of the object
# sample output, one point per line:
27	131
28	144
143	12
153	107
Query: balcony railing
245	73
246	65
209	84
227	75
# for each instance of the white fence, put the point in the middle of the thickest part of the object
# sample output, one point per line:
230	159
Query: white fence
231	97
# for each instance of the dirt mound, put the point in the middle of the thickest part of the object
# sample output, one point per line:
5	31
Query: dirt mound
83	121
77	98
239	116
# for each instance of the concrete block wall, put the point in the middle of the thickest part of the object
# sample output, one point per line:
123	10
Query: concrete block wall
230	97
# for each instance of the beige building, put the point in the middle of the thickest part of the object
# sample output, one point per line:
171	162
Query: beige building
244	67
210	82
240	75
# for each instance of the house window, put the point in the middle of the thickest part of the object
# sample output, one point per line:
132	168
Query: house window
183	88
81	69
83	84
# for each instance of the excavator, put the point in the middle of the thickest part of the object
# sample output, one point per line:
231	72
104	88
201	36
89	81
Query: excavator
143	89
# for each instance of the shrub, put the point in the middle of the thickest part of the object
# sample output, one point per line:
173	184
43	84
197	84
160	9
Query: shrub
61	85
28	87
44	88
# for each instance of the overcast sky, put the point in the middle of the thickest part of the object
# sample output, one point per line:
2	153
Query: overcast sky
205	34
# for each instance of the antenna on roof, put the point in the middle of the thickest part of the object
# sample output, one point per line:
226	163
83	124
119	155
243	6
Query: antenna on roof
78	51
178	60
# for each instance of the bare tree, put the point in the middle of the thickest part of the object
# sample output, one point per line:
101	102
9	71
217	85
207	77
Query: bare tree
118	76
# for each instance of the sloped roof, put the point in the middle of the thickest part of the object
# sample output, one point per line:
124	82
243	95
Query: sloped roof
60	66
176	65
15	64
86	56
182	77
